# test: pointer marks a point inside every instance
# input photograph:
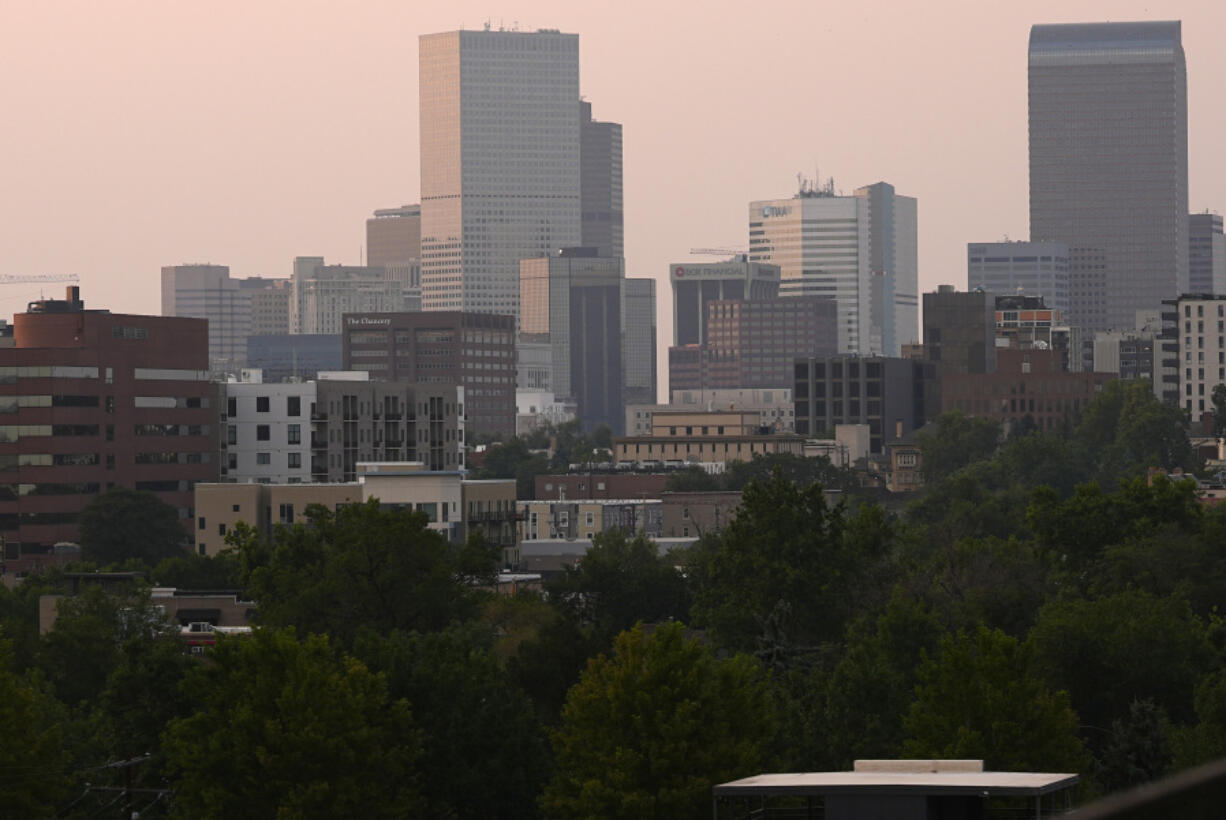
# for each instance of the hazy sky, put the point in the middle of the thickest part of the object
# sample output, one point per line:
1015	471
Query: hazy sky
141	134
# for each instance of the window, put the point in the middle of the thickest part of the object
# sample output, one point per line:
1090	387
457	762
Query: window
232	461
221	529
590	520
231	434
293	433
200	522
232	406
235	509
295	461
261	404
293	405
263	458
286	513
261	432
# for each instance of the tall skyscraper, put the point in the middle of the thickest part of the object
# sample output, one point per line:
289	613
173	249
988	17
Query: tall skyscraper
1206	254
393	242
860	249
500	164
600	150
639	340
1109	163
696	284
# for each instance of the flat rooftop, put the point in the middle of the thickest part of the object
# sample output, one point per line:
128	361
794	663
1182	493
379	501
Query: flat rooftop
892	782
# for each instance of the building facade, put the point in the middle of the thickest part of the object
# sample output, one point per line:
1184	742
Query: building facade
393	243
696	285
322	294
207	292
960	330
500	162
583	520
892	396
1200	333
94	400
639	340
267	431
573	300
600	151
294	357
1020	268
475	351
862	250
686	437
1109	163
1206	254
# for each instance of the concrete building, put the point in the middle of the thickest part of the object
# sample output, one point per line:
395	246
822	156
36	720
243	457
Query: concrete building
1200	325
535	409
322	294
267	431
1020	268
393	243
269	305
1027	384
585	519
92	400
573	300
639	340
685	437
207	292
473	350
220	507
860	249
892	396
294	357
1206	254
695	285
773	405
1128	354
1109	163
500	162
697	513
753	343
600	152
960	330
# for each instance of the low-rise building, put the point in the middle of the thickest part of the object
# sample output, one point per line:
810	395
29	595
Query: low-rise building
698	513
599	485
683	437
586	518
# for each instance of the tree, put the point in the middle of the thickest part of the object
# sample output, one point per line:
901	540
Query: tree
692	479
954	441
363	567
467	712
619	582
287	728
122	524
800	470
1129	429
1219	410
1138	748
192	571
648	731
33	760
979	697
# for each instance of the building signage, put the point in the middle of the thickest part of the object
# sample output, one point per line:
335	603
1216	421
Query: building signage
776	210
368	321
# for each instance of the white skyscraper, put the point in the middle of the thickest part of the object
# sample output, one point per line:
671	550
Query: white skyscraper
500	164
860	250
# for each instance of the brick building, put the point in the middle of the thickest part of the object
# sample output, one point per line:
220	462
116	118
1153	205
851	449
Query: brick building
473	350
600	485
92	400
1027	383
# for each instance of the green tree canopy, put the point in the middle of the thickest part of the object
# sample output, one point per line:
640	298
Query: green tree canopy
647	732
33	761
979	697
1129	429
954	441
122	524
287	728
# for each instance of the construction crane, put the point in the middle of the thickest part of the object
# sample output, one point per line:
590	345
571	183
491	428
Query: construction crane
51	277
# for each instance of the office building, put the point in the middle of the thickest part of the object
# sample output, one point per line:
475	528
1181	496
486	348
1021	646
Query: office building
322	294
639	340
1206	254
393	242
93	400
752	344
773	406
475	351
696	284
892	396
573	300
500	162
207	292
960	330
696	437
1027	385
1020	268
294	357
269	305
1109	163
1127	354
600	151
860	249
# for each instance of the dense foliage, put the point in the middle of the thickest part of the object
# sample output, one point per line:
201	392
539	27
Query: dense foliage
1041	604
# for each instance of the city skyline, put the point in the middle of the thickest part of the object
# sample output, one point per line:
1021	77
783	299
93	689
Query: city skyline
168	138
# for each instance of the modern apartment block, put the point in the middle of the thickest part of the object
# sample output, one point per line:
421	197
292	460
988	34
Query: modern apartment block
752	344
94	400
600	151
892	396
475	351
862	250
639	340
1206	254
322	294
573	300
500	162
960	330
393	242
1199	330
1109	163
584	519
1020	268
695	285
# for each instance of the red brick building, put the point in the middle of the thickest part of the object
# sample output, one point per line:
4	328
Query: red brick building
1026	383
90	400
